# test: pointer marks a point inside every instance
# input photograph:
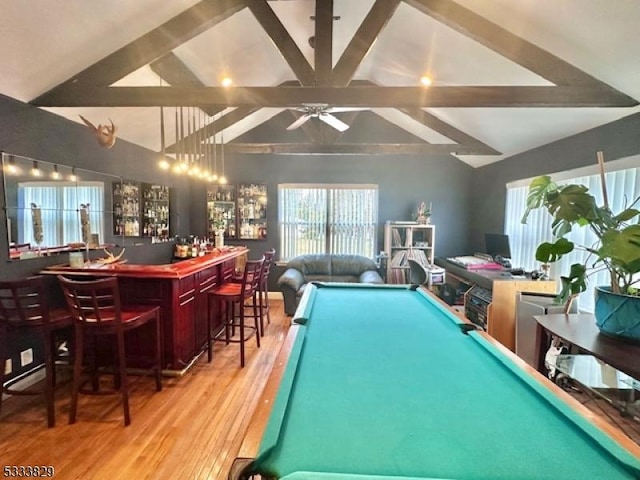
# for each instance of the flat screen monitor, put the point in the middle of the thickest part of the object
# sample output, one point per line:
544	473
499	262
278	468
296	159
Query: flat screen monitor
497	244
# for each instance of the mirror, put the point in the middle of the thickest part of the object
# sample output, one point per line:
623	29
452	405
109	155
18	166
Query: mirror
53	208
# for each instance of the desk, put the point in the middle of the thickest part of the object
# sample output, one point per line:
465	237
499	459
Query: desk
581	330
501	312
379	381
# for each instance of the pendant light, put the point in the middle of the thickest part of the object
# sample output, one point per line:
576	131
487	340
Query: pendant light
223	179
214	176
163	163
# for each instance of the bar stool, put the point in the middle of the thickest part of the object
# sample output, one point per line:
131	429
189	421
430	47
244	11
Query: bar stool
96	310
261	296
264	288
24	307
232	294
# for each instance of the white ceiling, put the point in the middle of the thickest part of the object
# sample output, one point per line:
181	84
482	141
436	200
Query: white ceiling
45	42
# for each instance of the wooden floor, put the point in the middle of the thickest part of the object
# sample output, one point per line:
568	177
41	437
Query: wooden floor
190	430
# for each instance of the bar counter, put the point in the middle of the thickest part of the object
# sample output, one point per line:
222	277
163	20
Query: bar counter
179	289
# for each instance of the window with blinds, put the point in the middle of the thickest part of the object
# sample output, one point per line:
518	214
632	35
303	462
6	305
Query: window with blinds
60	214
623	187
327	219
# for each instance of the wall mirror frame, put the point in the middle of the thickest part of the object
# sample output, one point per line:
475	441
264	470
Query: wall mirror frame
51	209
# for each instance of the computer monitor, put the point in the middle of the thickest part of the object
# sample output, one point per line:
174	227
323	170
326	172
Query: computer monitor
497	244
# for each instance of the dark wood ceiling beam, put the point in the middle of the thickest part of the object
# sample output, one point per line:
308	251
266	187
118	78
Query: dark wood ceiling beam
349	149
289	50
173	71
153	45
443	128
399	97
434	123
323	56
377	18
504	42
214	127
282	40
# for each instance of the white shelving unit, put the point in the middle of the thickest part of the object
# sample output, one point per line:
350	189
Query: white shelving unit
405	240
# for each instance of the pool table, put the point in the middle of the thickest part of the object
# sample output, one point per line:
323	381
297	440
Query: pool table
386	382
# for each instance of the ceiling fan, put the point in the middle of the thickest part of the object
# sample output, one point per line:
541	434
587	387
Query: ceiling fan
323	112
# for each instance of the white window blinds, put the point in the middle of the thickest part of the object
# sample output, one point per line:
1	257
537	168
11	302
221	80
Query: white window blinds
327	219
623	187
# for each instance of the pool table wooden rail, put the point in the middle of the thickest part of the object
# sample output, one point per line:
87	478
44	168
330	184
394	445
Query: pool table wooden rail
251	443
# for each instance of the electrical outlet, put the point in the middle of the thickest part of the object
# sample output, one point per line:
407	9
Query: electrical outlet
26	357
8	367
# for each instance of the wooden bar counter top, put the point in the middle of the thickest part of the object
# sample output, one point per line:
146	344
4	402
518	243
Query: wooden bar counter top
179	289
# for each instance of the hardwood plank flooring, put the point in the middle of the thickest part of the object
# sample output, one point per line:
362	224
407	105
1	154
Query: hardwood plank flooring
190	430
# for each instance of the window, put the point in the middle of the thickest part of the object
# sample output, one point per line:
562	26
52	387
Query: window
327	219
623	187
59	203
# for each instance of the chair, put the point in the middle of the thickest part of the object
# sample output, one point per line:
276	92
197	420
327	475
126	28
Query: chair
230	295
262	296
264	288
97	311
418	275
24	307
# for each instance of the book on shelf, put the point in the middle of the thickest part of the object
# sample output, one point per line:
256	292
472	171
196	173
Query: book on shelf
419	256
395	238
399	259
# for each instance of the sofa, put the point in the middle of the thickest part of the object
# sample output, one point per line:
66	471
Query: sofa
323	268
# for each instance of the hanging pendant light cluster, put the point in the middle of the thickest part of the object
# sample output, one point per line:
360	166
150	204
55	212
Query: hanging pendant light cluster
194	154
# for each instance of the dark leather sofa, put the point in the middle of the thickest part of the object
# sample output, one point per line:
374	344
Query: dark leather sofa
324	268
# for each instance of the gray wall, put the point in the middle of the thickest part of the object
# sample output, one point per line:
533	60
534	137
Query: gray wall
403	182
36	133
616	140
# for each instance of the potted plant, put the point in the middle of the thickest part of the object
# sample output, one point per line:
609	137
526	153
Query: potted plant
617	305
219	227
423	215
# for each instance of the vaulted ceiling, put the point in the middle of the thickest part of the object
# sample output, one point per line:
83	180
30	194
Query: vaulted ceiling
507	75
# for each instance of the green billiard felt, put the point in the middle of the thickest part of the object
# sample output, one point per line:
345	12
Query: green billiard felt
383	382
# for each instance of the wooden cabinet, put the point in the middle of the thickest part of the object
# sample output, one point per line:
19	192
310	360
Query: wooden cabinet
490	297
180	290
206	280
404	241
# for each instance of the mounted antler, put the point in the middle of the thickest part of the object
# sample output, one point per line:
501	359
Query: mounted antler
105	134
110	258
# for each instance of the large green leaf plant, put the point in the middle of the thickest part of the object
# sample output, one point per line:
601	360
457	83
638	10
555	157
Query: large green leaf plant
618	245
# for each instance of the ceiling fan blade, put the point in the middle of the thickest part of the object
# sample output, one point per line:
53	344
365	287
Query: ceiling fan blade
333	121
345	109
302	119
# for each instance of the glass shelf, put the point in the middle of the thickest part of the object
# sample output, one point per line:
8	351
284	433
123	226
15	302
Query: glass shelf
616	387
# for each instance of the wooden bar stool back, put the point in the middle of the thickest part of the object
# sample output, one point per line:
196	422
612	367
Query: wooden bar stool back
264	288
24	307
230	295
97	311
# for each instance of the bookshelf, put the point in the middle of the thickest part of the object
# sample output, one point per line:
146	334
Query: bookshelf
407	240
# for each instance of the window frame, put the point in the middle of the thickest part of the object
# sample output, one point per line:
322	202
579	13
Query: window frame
329	236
